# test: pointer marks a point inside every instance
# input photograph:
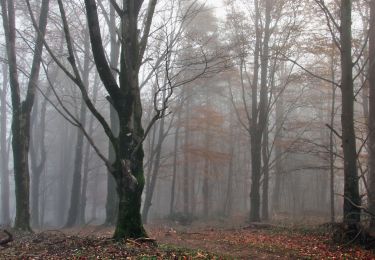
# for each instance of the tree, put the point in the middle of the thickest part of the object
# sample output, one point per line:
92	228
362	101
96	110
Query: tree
5	209
22	109
75	198
371	119
352	200
127	169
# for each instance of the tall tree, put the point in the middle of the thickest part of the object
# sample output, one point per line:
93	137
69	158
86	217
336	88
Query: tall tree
259	108
352	199
22	109
75	198
38	155
128	166
371	119
5	209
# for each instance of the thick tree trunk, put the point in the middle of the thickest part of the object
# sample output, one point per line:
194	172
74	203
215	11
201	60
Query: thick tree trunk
371	121
20	145
352	200
128	146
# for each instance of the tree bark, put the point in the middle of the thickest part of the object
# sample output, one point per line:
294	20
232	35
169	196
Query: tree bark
128	166
331	147
279	171
265	156
352	200
22	109
259	109
112	198
5	209
175	156
371	119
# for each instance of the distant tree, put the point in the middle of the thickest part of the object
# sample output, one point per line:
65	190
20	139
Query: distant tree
4	149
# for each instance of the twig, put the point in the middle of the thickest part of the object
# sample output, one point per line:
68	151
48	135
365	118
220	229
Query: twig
334	131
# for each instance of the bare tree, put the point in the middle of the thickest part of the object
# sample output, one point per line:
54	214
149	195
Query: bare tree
352	200
22	109
371	119
5	209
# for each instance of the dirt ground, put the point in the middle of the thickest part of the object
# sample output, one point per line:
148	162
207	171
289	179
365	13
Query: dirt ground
182	242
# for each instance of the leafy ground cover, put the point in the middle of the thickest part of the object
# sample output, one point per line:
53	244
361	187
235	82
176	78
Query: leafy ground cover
94	242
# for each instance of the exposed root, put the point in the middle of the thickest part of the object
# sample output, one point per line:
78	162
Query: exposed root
6	240
349	235
146	240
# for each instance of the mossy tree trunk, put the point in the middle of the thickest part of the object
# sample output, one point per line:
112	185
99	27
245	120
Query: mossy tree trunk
127	169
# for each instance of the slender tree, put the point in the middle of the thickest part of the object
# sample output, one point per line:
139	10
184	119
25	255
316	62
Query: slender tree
371	119
22	109
5	209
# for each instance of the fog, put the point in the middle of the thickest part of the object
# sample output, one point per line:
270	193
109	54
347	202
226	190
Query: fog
222	113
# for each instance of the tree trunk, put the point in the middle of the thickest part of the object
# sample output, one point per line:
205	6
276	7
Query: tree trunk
255	136
155	169
112	198
5	213
186	187
256	148
352	200
331	147
371	121
86	171
265	155
279	171
175	157
228	198
66	140
22	109
38	149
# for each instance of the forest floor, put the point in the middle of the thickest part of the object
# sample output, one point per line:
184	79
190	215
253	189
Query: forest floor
179	242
